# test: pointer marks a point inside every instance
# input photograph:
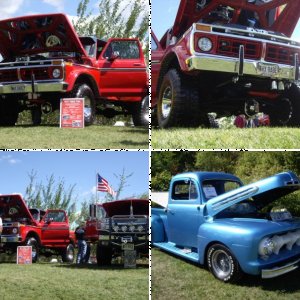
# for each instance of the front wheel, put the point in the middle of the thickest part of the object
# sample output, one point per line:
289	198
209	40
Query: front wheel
82	90
222	264
35	248
140	113
8	111
68	254
178	102
104	256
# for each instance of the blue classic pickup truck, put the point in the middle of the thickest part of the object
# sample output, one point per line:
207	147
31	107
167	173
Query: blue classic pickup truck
213	219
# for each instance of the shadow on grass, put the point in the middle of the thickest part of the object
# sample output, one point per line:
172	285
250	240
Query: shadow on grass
96	267
287	283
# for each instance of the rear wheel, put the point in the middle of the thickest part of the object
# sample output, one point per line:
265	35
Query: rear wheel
286	110
35	248
82	90
222	264
178	102
140	113
68	254
104	255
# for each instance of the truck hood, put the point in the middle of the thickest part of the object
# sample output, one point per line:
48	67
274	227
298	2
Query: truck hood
38	34
262	192
285	12
14	209
122	207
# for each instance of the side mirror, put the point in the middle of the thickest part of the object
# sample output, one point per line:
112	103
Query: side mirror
48	221
114	56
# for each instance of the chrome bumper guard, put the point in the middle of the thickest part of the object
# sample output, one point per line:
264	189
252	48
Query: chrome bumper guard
10	239
241	66
39	87
277	271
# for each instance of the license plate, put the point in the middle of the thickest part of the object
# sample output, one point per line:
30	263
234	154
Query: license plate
267	69
17	88
127	246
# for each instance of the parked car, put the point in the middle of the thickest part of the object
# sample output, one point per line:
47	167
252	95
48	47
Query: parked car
213	219
44	60
228	58
42	230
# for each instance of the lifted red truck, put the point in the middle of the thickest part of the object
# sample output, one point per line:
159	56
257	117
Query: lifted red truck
44	60
43	230
119	226
230	58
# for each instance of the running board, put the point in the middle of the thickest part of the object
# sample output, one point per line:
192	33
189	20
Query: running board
185	253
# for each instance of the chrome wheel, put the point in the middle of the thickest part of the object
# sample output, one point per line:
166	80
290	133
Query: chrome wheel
166	102
87	110
221	264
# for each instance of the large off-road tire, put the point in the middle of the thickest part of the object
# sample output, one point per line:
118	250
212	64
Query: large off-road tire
31	241
104	255
82	90
222	264
68	254
8	111
178	102
140	113
285	111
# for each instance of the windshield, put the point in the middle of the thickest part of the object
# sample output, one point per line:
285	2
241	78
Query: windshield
216	187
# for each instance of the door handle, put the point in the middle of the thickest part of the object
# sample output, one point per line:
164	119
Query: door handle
137	64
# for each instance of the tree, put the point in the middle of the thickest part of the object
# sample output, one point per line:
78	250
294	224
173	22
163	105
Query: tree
111	21
123	178
52	195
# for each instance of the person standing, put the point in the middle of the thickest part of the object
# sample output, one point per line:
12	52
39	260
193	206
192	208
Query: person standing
81	243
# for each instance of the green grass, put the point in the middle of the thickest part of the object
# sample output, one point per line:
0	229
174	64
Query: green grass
174	278
64	281
92	137
235	138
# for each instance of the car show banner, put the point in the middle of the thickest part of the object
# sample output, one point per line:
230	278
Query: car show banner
72	113
24	255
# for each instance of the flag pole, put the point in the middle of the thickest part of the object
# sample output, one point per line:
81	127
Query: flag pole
96	199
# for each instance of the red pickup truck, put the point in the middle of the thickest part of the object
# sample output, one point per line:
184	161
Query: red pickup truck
44	60
43	230
229	58
119	226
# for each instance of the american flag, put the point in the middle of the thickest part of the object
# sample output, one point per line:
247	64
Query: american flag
103	186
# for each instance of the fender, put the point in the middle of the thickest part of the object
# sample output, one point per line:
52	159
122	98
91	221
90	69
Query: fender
158	230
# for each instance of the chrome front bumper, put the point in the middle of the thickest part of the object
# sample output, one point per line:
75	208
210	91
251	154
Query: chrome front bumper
233	65
277	271
39	87
10	239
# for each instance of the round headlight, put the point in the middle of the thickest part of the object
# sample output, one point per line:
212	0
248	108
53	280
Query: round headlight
131	228
140	228
205	44
56	73
15	230
124	228
116	228
266	247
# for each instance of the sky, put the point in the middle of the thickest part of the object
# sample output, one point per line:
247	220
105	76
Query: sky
163	14
75	167
14	8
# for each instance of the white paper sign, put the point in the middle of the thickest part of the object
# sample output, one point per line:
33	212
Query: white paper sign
209	191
